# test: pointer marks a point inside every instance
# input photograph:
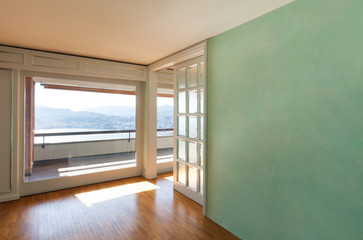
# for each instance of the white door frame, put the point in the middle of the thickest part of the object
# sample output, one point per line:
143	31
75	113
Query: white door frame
192	52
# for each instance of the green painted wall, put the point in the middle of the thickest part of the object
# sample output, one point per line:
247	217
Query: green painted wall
285	124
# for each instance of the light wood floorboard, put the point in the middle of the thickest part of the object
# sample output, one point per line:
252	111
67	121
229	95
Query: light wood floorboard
113	210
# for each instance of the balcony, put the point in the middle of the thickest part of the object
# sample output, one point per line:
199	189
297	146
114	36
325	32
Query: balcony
65	154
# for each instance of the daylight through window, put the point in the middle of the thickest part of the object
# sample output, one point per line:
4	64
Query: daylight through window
165	116
74	129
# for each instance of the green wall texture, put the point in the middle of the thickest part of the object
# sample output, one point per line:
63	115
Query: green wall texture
285	124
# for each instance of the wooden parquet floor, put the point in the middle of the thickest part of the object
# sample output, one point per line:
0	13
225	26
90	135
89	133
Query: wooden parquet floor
132	208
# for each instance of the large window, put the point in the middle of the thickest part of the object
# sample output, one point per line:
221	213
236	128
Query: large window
165	117
73	129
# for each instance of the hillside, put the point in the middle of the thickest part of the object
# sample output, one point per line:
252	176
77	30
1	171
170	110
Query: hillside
108	117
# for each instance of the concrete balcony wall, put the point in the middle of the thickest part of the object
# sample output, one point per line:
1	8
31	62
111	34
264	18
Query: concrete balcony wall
91	148
164	142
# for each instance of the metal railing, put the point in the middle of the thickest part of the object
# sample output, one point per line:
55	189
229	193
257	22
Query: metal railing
92	132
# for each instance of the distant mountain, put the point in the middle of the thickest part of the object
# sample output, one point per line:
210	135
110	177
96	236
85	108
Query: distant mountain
165	110
49	118
128	111
164	113
125	111
165	116
51	113
107	117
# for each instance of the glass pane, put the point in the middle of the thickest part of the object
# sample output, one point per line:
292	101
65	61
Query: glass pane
192	76
181	102
181	78
201	75
193	152
181	126
181	173
192	177
165	121
201	128
201	101
201	181
193	102
200	151
181	150
193	127
75	135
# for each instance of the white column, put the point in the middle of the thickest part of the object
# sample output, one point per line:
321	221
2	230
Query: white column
5	137
149	170
8	163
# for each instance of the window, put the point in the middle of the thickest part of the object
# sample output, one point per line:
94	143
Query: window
165	116
75	128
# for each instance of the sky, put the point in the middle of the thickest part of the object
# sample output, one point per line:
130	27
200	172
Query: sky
79	101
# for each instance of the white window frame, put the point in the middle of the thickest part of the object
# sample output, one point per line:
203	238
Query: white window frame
34	187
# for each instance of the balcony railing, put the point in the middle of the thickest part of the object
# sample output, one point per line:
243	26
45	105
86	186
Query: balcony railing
43	135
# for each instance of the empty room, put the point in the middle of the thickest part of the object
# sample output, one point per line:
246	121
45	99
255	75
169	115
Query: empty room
235	119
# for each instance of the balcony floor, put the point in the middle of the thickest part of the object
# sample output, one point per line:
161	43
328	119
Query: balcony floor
55	168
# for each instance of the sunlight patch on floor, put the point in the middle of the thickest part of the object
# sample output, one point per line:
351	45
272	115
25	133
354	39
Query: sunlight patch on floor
93	197
66	169
95	170
165	158
169	178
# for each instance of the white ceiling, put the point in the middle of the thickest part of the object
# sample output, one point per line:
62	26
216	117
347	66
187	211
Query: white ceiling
135	31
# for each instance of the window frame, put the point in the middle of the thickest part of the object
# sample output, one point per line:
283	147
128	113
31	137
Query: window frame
34	187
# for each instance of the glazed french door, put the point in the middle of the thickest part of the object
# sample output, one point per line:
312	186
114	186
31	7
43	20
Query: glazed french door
189	128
